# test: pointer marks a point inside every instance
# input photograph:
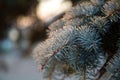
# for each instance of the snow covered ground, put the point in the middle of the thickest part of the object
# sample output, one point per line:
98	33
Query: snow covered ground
22	69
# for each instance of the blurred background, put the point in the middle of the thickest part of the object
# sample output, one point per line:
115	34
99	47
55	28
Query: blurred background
23	24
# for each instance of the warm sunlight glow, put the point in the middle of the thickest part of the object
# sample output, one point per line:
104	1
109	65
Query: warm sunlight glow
46	10
13	34
24	21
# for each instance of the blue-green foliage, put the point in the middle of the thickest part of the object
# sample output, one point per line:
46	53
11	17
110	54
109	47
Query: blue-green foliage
114	67
75	42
